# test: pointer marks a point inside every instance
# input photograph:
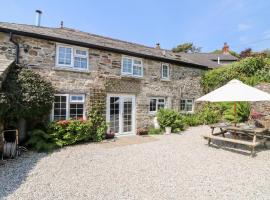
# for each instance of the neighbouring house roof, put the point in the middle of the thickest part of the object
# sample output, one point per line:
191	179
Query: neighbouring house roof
75	37
209	59
4	66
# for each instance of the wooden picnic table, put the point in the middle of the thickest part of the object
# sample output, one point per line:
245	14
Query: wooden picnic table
258	135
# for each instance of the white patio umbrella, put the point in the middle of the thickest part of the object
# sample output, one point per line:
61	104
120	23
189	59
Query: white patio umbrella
235	91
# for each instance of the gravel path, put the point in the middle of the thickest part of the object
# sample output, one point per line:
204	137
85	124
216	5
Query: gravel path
167	167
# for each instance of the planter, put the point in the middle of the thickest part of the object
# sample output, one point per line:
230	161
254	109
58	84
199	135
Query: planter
168	130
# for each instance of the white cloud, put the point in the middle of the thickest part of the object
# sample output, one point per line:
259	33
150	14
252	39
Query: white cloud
243	27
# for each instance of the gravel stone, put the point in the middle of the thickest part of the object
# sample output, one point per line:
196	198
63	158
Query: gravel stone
176	166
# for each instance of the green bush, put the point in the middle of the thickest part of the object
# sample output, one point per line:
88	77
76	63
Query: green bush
27	95
68	132
170	118
251	70
154	131
192	120
166	117
242	112
41	141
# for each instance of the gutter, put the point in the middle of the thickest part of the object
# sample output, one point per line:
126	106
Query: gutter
17	47
88	45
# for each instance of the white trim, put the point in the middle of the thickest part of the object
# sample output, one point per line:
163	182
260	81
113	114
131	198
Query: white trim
193	105
156	98
132	67
68	102
73	55
121	97
169	74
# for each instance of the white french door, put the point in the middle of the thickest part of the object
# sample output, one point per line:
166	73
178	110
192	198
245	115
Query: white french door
120	113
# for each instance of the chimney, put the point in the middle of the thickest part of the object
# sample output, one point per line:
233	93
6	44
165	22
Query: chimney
225	49
38	17
218	60
157	46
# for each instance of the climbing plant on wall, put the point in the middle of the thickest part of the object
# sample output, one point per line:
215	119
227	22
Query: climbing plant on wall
25	95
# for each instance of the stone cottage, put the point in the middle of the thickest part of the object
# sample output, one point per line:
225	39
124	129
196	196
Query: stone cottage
132	80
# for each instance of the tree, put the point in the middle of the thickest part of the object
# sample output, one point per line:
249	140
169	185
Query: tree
246	53
187	47
233	53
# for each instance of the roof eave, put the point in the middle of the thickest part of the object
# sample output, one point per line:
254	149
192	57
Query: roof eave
88	45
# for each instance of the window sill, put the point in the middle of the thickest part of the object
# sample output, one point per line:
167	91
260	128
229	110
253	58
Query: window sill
153	113
130	76
71	70
165	79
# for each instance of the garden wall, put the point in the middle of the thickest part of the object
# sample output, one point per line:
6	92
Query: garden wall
262	107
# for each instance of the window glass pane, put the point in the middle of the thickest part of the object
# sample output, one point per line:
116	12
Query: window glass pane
80	52
137	70
76	110
153	105
80	63
127	65
186	105
60	105
76	98
165	71
137	62
64	56
161	103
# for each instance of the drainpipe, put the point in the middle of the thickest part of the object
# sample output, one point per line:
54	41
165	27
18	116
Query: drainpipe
17	47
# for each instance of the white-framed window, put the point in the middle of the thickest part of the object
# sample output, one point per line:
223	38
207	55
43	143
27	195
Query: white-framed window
132	67
187	105
165	72
155	104
68	106
72	57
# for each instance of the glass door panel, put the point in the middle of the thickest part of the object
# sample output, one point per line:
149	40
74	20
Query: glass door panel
114	114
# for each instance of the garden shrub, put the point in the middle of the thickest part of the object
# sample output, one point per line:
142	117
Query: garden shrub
170	118
154	131
251	70
242	112
26	95
41	141
68	132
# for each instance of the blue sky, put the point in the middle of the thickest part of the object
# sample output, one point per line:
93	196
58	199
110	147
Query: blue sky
208	23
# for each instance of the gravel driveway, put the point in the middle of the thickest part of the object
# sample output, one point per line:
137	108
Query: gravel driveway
160	167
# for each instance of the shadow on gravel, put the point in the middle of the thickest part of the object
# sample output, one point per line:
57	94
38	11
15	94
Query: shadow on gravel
13	172
238	148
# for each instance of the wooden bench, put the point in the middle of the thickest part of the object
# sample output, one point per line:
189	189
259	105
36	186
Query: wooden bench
251	144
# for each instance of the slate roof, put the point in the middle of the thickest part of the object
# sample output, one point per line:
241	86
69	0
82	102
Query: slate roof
76	37
209	59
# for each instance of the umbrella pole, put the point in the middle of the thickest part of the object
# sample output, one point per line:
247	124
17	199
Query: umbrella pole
234	109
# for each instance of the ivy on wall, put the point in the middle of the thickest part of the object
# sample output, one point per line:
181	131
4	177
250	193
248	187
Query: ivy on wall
25	94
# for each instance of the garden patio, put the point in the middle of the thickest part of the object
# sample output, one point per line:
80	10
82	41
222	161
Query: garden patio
176	166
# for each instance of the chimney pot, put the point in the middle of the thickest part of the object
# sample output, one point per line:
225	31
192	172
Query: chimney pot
38	17
226	48
157	46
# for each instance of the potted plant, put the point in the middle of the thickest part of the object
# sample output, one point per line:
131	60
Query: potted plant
166	119
110	135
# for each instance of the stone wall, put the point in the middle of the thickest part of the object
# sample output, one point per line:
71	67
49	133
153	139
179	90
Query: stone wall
264	106
105	75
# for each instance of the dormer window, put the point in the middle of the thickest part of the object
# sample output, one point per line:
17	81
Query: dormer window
72	57
132	67
165	72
